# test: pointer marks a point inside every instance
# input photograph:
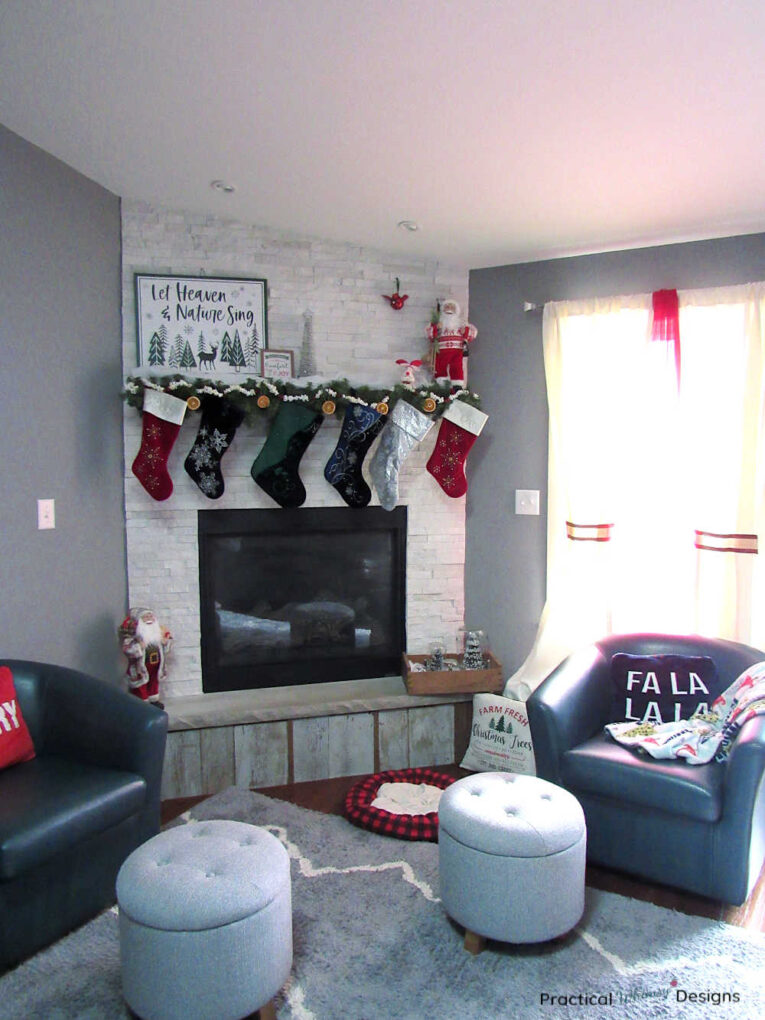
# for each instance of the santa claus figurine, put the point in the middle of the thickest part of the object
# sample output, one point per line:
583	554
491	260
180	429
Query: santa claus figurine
450	336
146	643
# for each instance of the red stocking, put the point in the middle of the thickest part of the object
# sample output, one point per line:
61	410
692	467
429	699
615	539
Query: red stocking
460	425
162	418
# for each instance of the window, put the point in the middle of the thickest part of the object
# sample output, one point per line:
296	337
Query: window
655	499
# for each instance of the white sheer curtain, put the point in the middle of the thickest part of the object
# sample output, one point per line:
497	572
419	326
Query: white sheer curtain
655	494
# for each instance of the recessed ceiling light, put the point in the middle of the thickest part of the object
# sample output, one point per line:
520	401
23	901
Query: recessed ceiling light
227	189
408	225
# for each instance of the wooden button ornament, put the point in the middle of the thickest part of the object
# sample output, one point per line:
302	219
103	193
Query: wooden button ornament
193	403
263	401
329	407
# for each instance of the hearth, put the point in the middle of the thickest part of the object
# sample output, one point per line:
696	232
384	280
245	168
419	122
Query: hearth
302	596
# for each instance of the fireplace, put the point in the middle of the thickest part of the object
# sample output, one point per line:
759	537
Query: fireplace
302	596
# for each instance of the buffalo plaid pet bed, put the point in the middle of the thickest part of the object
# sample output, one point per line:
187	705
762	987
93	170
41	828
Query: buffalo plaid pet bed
359	810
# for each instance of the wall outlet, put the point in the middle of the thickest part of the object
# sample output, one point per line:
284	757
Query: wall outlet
46	514
527	501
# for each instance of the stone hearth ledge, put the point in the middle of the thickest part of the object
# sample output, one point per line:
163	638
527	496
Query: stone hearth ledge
274	704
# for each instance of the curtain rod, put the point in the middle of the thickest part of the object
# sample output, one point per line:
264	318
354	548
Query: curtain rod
529	306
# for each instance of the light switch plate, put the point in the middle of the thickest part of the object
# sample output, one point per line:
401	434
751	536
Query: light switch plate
46	514
527	501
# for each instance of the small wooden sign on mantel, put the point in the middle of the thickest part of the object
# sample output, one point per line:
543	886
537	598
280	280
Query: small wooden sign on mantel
452	681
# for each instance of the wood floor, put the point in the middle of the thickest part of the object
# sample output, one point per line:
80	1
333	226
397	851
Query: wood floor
328	796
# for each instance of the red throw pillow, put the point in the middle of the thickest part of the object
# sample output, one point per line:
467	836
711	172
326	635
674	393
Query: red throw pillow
15	741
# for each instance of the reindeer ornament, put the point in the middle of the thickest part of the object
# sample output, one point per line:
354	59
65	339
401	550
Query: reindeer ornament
408	374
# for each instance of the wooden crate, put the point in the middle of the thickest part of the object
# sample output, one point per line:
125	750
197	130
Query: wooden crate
452	681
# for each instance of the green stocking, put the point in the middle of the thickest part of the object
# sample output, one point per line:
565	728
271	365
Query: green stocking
276	467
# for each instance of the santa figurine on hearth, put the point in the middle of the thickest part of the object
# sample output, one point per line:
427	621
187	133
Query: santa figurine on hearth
146	644
450	336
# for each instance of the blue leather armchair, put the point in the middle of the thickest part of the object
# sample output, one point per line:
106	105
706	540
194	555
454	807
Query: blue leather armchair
70	816
696	827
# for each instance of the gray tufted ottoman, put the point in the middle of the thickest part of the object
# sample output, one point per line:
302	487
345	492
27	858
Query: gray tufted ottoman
205	920
511	854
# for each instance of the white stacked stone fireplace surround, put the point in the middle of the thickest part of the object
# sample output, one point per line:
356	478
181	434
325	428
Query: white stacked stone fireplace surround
269	737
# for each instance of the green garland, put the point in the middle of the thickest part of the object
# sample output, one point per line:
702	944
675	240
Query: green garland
249	394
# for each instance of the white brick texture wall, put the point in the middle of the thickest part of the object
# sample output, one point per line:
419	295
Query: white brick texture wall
357	336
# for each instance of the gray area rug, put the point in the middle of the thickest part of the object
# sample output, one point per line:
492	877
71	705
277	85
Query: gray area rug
372	942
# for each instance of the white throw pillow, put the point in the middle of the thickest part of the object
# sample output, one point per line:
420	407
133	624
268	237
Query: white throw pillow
500	737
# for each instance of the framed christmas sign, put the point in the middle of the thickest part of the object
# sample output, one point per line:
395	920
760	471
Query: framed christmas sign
277	365
201	325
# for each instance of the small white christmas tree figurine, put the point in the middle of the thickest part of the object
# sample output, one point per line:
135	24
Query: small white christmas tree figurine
307	360
436	660
473	655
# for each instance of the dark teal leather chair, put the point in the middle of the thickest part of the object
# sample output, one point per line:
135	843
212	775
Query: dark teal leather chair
70	817
700	828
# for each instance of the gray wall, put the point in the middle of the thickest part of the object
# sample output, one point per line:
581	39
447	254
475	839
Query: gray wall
506	554
62	592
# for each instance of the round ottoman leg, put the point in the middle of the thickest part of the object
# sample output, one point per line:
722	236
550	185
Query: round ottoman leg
474	943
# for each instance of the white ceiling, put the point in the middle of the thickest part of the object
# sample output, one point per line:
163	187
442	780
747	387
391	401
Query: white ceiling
507	129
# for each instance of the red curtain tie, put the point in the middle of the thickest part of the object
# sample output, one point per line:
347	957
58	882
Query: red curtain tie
666	321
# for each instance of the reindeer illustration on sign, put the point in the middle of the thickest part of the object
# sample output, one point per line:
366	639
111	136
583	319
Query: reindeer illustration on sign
207	358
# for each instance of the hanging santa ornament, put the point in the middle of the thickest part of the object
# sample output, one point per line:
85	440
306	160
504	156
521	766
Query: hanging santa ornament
396	300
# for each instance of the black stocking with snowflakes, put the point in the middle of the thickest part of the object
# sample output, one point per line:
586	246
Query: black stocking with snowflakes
361	426
220	420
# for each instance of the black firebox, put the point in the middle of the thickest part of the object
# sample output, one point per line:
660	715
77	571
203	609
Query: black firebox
301	596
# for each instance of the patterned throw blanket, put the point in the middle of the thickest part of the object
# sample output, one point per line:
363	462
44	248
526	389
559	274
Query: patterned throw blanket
706	735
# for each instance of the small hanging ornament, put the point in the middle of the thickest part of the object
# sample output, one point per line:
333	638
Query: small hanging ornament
263	401
382	408
193	403
396	300
329	407
429	405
